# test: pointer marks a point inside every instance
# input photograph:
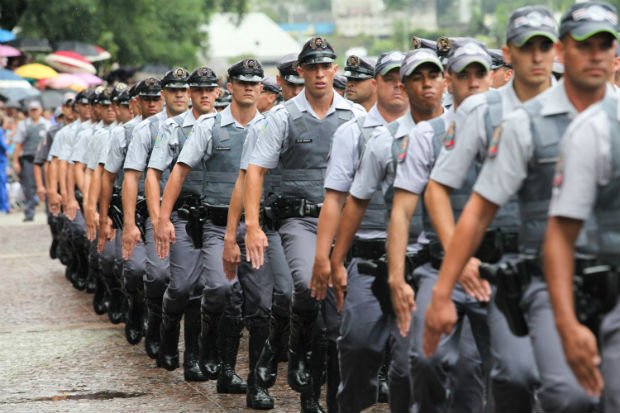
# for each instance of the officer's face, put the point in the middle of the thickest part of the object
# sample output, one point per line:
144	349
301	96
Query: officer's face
501	76
177	100
265	101
124	113
150	105
95	112
289	90
359	91
83	111
203	99
108	115
35	114
318	78
134	103
471	80
244	93
391	91
531	62
589	63
424	88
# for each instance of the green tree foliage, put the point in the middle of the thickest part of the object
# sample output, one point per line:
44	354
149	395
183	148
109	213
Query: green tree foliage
135	32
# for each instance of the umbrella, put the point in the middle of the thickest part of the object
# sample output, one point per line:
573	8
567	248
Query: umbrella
36	71
102	55
6	35
6	74
29	44
18	93
91	80
151	69
51	99
70	62
9	51
65	80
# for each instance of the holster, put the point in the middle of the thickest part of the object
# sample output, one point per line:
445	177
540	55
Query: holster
80	199
378	268
142	214
115	210
596	292
195	216
511	282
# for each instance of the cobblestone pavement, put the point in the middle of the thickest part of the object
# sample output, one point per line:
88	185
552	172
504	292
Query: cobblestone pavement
57	355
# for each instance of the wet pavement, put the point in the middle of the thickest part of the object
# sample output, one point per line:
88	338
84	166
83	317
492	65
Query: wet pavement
57	355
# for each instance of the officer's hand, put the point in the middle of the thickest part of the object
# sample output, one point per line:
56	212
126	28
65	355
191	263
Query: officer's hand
17	167
163	237
131	238
231	257
255	245
403	301
53	203
339	282
41	193
321	270
440	319
475	286
106	233
92	218
583	358
70	208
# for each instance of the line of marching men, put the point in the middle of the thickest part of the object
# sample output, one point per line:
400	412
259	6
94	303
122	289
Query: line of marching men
388	242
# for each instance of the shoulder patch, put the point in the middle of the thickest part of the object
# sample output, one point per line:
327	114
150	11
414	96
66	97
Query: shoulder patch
494	144
448	139
402	151
158	140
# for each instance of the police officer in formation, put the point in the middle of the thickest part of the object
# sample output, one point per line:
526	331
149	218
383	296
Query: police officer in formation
392	243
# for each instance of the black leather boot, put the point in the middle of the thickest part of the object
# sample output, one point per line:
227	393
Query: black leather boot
209	358
134	328
151	337
99	302
115	307
382	377
191	331
257	397
333	377
267	365
229	336
298	374
169	341
316	365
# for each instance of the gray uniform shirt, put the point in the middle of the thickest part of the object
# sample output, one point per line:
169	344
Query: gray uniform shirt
80	149
413	173
59	140
20	133
166	150
200	145
585	164
502	175
142	142
470	137
118	146
273	141
98	144
70	139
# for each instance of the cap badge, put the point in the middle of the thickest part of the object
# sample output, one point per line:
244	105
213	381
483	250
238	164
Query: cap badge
353	61
120	87
150	82
596	13
250	63
534	19
99	89
416	43
318	43
179	73
444	44
204	72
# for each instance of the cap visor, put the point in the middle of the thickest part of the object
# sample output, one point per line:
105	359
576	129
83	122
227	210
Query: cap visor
248	78
520	39
294	79
587	30
149	94
382	71
460	65
176	86
205	84
317	60
355	75
406	71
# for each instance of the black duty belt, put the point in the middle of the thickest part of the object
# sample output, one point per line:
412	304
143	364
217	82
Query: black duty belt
186	201
279	208
369	249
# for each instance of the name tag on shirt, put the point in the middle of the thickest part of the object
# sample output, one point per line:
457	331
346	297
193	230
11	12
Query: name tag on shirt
303	140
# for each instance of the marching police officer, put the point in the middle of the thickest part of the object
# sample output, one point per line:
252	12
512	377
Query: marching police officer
184	291
27	137
361	86
288	79
587	183
298	136
269	96
501	72
522	157
216	146
222	100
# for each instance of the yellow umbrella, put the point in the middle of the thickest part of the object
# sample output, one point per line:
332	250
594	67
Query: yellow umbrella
36	71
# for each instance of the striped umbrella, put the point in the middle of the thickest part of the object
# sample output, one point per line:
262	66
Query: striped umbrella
70	62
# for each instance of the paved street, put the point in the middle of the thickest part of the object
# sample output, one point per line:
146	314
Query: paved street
57	355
